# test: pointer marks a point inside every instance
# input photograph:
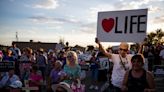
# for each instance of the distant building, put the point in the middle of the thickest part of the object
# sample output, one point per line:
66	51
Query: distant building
35	45
77	47
3	47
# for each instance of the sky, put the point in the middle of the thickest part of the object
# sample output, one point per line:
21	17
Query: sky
74	21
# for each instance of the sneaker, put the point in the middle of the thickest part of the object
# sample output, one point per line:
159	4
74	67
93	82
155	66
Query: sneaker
96	88
91	87
104	87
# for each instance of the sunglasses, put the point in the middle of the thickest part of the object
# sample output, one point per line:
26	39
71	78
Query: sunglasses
123	49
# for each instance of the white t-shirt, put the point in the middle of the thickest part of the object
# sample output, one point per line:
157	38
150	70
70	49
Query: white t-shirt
118	69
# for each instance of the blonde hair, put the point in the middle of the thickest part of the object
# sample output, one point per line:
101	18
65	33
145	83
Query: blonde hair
124	45
71	54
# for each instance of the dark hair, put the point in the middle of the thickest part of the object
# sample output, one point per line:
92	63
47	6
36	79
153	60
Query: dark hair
61	89
13	43
35	67
138	58
100	54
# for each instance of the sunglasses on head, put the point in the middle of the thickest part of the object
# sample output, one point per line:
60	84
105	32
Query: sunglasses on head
121	49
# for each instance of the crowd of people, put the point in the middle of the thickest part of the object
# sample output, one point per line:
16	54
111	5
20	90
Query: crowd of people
62	70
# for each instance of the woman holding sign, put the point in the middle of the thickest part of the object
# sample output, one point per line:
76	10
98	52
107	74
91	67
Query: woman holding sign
121	63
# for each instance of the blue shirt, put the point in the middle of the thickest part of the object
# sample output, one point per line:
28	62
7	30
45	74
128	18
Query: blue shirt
72	72
6	81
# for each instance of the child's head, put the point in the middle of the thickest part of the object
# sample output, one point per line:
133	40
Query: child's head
58	64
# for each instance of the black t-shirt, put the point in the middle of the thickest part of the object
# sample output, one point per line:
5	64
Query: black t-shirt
137	84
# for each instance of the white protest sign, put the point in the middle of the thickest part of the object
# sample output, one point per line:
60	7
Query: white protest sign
118	26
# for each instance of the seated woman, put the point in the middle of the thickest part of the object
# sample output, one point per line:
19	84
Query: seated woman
26	60
10	79
57	74
72	68
138	79
35	78
73	71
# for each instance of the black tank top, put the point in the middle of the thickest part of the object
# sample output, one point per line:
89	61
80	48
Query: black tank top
137	84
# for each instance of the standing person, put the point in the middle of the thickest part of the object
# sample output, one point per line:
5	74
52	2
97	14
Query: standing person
138	79
26	60
42	63
16	54
16	51
145	54
121	63
62	57
8	56
94	71
51	60
151	58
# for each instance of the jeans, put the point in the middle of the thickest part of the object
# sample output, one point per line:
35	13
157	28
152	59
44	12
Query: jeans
94	74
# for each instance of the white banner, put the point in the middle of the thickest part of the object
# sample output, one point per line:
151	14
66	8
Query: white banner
118	26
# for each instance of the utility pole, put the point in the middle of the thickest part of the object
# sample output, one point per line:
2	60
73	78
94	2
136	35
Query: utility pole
16	36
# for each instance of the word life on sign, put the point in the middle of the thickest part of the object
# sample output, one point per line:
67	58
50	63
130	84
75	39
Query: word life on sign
117	26
6	66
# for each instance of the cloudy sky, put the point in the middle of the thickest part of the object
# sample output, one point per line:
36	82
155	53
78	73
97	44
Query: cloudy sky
74	21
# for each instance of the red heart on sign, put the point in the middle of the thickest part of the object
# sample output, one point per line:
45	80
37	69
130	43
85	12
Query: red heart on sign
108	24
